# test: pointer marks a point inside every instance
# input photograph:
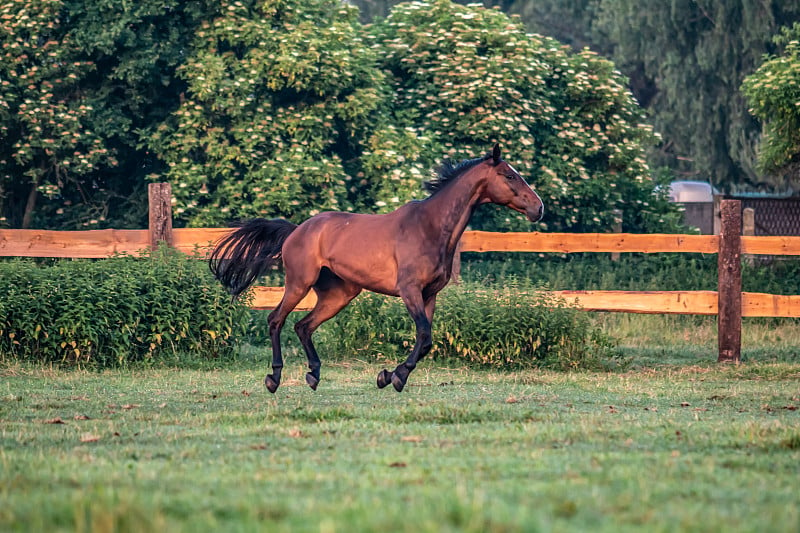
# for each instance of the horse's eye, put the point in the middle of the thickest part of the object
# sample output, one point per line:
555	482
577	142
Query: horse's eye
511	177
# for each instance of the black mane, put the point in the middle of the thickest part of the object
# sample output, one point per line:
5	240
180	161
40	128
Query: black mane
449	171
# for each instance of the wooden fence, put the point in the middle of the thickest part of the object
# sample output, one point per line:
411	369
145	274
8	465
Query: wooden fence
728	302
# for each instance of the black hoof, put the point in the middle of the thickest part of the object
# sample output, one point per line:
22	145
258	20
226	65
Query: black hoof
398	383
271	384
384	378
312	381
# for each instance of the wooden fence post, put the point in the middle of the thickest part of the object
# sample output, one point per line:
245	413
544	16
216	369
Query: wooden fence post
729	262
160	197
617	229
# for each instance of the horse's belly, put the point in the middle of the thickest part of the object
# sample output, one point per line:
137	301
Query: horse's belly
372	276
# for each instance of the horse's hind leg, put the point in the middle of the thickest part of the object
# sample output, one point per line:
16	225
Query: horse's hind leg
333	294
276	320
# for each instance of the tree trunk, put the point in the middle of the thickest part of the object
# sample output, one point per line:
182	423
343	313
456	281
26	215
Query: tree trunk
30	205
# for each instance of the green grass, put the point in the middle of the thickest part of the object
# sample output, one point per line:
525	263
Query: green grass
669	445
683	339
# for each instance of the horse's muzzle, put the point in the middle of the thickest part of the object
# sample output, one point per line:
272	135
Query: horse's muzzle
535	212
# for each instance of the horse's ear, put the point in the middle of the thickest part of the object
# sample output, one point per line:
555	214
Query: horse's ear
496	154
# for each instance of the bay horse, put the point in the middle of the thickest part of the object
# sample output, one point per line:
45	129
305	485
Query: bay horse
406	253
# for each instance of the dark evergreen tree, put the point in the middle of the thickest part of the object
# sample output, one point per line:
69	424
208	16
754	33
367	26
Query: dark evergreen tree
689	58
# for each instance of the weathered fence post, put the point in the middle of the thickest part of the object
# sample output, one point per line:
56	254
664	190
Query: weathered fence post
160	197
729	262
617	229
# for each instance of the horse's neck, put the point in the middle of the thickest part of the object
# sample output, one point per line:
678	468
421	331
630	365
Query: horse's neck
450	209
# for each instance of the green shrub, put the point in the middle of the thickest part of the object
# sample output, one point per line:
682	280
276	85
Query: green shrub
513	327
160	307
641	272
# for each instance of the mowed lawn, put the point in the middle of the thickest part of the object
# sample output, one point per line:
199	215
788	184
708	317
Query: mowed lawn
666	448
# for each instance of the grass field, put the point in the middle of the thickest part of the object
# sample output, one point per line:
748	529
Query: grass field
672	443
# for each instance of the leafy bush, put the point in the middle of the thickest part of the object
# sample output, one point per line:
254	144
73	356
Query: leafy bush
159	307
465	75
771	92
261	133
642	272
511	327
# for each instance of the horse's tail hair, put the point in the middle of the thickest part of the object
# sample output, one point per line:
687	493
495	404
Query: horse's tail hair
239	258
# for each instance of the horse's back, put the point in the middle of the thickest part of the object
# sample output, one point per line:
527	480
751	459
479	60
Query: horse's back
337	225
357	247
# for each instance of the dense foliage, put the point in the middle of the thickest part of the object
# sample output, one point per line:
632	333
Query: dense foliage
685	60
46	138
166	309
161	308
289	107
280	97
79	83
262	134
690	59
773	93
462	75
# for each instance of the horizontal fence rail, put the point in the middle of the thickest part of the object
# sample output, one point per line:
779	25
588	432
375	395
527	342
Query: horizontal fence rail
107	242
729	302
754	304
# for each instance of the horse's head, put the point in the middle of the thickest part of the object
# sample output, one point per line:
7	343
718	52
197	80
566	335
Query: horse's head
505	186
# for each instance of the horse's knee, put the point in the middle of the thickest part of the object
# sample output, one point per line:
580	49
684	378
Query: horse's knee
275	324
302	330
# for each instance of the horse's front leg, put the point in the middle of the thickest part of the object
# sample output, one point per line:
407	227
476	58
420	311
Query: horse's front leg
422	314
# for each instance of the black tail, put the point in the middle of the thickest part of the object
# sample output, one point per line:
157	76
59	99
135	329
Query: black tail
239	258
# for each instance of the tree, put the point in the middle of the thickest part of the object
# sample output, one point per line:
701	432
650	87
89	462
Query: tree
46	142
773	93
283	99
688	59
466	77
685	60
136	48
288	107
80	82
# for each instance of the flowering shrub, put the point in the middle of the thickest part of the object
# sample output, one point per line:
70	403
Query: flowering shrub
281	94
773	94
467	76
293	108
48	143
